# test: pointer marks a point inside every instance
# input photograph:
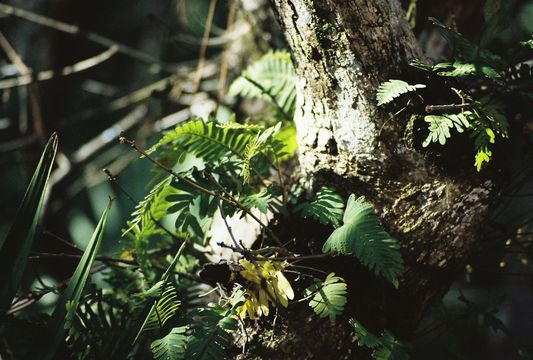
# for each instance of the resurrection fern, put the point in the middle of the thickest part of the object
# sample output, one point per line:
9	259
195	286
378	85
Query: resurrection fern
172	346
270	78
392	89
327	207
211	335
440	125
363	236
328	297
385	347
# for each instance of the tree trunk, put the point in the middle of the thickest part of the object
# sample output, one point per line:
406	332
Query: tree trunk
342	50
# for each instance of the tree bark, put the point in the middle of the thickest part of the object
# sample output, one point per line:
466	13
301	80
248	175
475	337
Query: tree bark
342	50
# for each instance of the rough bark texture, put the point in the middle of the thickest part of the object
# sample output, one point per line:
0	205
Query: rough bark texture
342	50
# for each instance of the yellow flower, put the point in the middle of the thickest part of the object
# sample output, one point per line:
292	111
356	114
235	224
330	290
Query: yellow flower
267	284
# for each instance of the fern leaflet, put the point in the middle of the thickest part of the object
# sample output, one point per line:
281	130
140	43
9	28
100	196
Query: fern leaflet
329	296
212	335
363	236
270	78
386	347
164	308
207	140
392	89
440	125
172	346
327	207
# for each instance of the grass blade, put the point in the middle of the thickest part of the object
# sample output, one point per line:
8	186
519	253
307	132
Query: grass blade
68	302
15	248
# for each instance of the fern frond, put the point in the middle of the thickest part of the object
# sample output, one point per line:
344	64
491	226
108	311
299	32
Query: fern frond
172	346
98	325
260	200
440	125
212	336
151	207
363	236
327	207
468	50
270	78
207	140
459	69
164	308
488	121
391	89
329	298
193	209
385	347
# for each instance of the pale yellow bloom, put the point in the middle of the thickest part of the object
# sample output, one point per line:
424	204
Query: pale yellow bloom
267	285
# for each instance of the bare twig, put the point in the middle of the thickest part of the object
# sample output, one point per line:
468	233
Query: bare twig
203	46
431	109
32	89
27	77
232	8
76	30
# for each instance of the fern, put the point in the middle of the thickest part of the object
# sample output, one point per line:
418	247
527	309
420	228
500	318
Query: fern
261	201
440	125
459	69
151	207
466	49
385	347
164	307
207	140
212	335
327	207
329	296
362	235
257	146
392	89
99	322
270	78
172	346
488	121
193	209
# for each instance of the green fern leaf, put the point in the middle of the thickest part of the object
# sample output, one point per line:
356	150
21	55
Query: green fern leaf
363	236
440	125
172	346
386	347
207	140
459	69
466	49
212	336
270	78
164	308
327	207
391	89
488	121
329	296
